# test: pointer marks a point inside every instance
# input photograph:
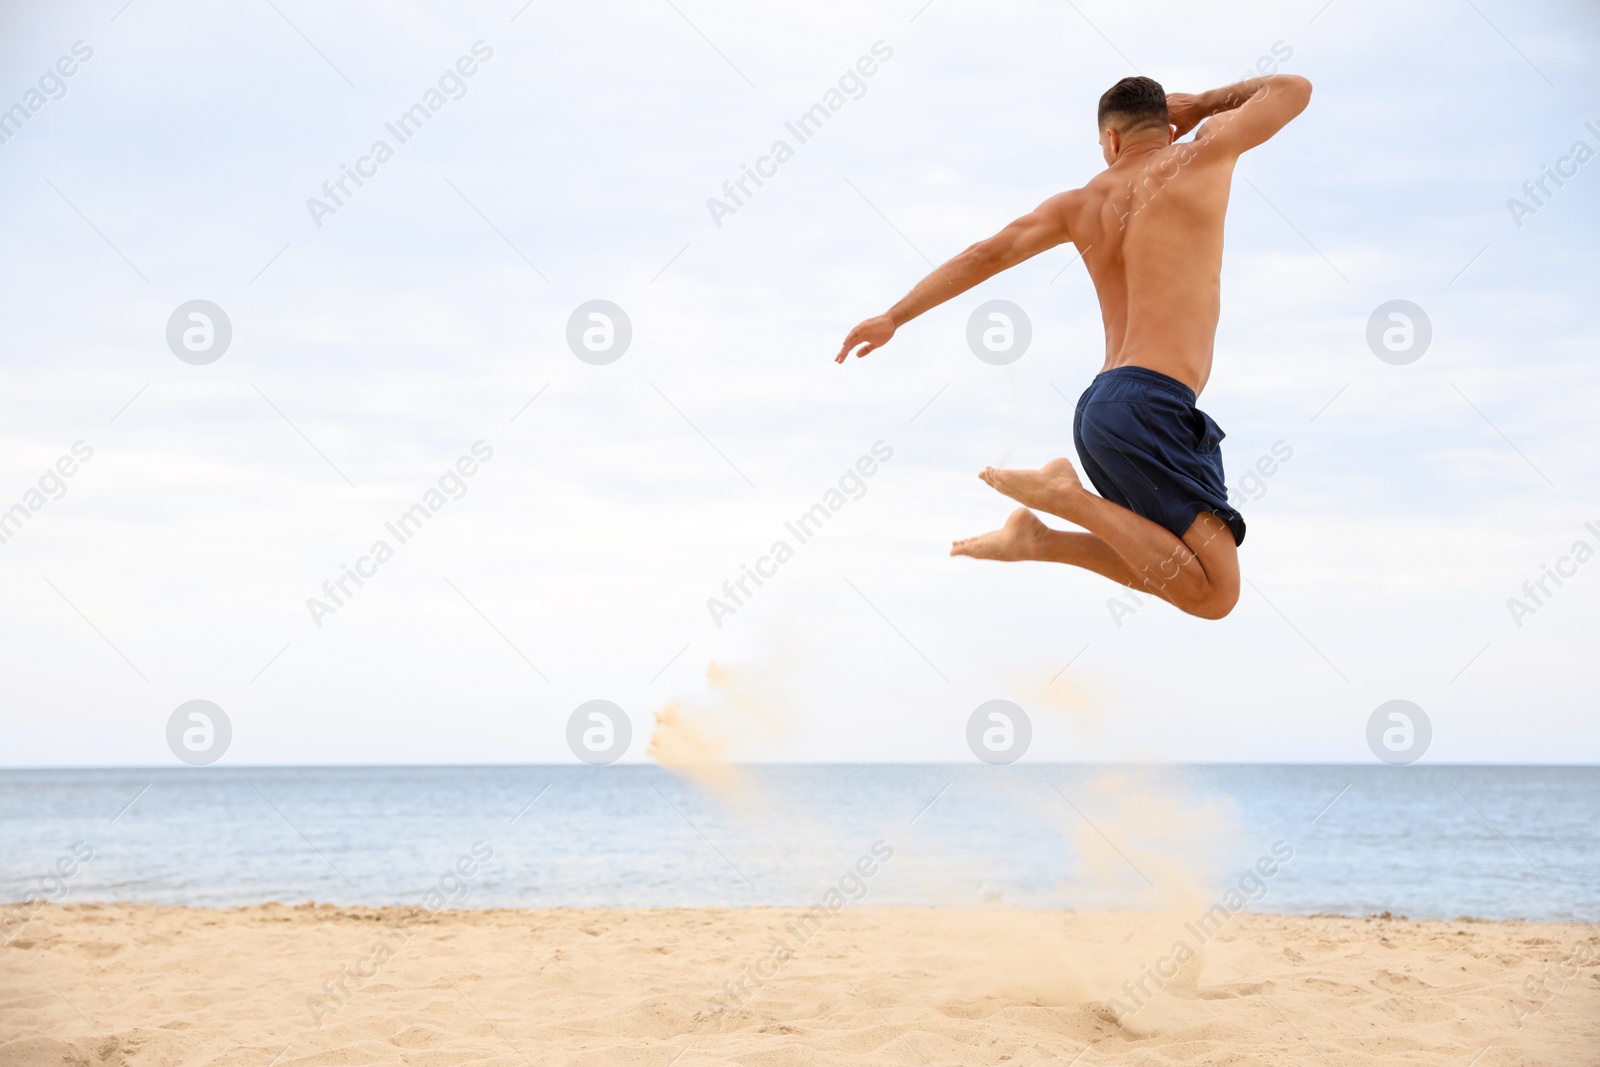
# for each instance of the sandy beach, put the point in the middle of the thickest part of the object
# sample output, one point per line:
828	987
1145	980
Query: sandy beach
319	985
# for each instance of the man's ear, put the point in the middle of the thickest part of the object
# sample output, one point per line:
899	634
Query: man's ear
1172	134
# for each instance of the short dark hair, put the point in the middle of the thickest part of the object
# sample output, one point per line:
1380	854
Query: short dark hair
1134	104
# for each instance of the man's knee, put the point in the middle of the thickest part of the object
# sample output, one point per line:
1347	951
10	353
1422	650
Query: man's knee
1210	542
1215	604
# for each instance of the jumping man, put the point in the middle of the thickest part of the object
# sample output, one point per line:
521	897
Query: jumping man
1149	229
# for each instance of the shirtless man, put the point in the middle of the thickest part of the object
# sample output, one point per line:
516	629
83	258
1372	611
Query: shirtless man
1149	229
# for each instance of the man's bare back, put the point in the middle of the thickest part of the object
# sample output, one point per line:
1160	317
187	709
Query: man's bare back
1149	229
1153	248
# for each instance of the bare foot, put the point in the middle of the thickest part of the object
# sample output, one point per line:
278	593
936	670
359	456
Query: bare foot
1014	541
1054	488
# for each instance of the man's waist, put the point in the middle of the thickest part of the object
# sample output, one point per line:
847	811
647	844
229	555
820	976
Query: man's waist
1181	375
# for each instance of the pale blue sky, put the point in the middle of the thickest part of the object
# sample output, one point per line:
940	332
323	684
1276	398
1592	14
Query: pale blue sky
427	312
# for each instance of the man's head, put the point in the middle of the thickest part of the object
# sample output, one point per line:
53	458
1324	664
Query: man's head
1134	109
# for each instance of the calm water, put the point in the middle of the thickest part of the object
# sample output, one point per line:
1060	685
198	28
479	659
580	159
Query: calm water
1493	842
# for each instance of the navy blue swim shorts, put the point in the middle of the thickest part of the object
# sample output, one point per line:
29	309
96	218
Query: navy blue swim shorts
1146	446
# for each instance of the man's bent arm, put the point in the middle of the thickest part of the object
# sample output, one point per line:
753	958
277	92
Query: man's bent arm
1188	110
1044	227
1254	110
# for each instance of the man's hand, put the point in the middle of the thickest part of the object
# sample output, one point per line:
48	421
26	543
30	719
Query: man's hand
874	333
1185	111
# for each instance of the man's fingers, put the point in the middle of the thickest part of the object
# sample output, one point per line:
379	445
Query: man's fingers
862	335
844	349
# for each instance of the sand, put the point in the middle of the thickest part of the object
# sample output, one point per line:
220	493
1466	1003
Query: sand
146	985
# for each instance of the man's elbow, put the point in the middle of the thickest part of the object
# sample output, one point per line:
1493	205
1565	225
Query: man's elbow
1295	87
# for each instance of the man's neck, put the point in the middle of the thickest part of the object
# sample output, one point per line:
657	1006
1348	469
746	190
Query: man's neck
1141	147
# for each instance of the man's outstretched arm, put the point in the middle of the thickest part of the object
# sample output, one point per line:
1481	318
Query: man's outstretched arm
1043	227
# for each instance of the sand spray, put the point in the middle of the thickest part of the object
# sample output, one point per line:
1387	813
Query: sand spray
1139	855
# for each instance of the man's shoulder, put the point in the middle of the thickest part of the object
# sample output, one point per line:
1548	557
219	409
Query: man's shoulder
1061	207
1065	200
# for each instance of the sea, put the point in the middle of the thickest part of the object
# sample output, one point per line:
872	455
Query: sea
1439	841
